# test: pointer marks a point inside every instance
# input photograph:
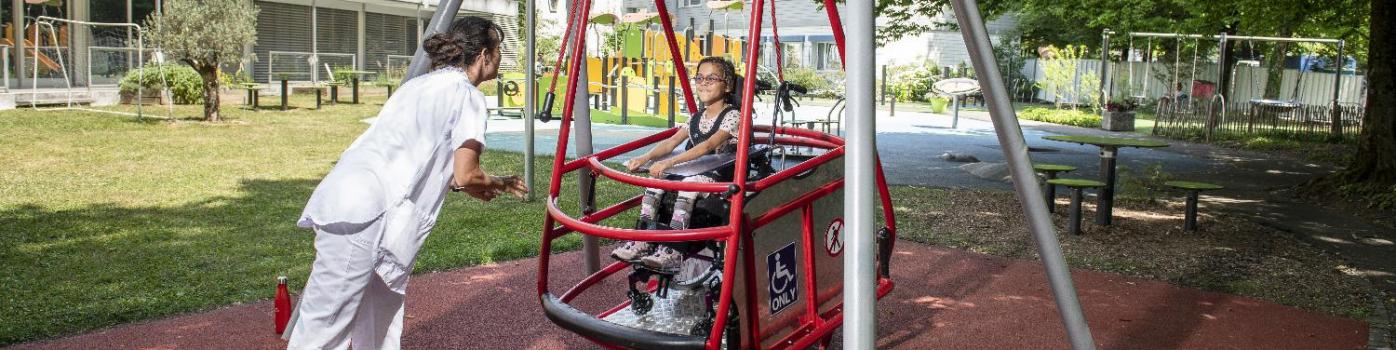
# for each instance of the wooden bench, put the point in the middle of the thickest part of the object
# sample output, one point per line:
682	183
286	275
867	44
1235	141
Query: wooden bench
1192	188
1076	186
1050	171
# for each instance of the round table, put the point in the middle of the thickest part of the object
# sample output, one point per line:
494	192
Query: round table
1109	146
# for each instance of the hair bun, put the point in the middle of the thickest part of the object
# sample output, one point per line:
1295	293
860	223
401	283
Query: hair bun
443	48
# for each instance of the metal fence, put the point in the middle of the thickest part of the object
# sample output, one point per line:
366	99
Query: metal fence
306	66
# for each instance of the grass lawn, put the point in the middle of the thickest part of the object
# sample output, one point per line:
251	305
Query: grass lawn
111	220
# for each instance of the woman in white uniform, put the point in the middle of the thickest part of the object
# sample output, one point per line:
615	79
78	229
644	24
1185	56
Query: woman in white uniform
374	209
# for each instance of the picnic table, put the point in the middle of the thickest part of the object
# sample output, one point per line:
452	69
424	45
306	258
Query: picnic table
1109	146
355	76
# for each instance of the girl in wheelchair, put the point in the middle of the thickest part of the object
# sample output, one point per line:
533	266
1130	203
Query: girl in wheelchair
712	130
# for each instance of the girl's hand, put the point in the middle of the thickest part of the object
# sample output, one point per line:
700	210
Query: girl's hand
635	163
657	169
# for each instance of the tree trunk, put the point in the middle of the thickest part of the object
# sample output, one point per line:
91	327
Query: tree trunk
209	72
1275	68
1375	162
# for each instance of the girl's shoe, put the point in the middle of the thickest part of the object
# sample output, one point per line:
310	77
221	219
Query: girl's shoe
631	250
664	258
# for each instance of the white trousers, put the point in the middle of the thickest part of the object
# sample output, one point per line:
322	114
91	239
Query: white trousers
345	301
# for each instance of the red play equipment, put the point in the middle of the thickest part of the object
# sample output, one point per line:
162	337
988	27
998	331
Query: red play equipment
771	230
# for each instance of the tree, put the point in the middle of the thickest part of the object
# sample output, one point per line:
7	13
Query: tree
203	34
1375	163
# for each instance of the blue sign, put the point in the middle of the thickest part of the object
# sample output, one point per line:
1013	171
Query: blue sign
781	273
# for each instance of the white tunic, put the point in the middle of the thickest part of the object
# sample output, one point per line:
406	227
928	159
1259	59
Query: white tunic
398	169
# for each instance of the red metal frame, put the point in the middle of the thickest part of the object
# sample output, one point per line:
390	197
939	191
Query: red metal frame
812	326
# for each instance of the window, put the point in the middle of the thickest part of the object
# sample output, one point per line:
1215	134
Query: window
690	3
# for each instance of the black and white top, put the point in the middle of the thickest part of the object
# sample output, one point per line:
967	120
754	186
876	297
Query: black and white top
701	128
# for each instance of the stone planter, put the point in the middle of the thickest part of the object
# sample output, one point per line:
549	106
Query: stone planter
1117	121
149	97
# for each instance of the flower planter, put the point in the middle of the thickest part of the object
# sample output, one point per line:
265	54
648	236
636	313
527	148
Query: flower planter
1117	121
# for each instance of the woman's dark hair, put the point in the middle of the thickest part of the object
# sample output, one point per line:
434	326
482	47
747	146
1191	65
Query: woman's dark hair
463	42
728	72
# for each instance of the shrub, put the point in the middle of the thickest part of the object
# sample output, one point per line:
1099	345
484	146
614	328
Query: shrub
809	78
342	73
914	82
186	86
1061	116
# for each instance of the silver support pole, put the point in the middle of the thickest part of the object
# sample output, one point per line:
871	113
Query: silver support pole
440	21
314	46
860	192
1015	150
1106	81
17	21
530	92
1337	92
581	128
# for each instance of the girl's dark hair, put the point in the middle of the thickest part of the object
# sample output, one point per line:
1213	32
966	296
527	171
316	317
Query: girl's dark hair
728	72
463	42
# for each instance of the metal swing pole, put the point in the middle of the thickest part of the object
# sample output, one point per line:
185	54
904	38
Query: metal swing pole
440	22
1015	150
530	92
860	182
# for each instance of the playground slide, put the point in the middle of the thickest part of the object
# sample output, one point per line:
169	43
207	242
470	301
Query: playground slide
44	60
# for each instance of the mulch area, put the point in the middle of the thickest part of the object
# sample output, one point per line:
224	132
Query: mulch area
1229	255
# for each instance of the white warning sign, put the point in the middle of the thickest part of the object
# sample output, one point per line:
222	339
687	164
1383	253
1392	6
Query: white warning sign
833	238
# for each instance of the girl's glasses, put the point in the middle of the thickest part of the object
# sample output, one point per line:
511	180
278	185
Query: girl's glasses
706	79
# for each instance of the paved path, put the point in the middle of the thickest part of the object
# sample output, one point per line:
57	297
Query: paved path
945	299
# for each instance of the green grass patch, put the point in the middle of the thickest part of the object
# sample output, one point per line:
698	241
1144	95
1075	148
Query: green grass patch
641	119
1061	116
110	220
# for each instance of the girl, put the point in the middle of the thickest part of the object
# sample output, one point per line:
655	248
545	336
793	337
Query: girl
712	130
374	209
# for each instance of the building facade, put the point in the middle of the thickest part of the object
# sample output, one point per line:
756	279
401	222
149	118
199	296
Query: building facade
807	39
298	39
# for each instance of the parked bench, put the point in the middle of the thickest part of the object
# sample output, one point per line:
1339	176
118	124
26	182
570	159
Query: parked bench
1050	172
1076	186
1192	188
253	92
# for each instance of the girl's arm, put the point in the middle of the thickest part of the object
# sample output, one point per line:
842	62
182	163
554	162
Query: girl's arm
659	150
720	137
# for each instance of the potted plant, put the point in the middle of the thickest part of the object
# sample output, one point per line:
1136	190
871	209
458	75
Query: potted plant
1118	115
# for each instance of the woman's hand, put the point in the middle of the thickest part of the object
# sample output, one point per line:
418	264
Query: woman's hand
657	169
514	185
482	195
635	163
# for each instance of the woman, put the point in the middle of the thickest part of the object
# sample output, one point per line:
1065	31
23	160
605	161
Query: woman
372	212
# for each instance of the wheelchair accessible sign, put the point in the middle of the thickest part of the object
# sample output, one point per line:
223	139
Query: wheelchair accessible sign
784	280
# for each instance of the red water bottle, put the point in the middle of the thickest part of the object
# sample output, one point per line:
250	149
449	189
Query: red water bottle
283	305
